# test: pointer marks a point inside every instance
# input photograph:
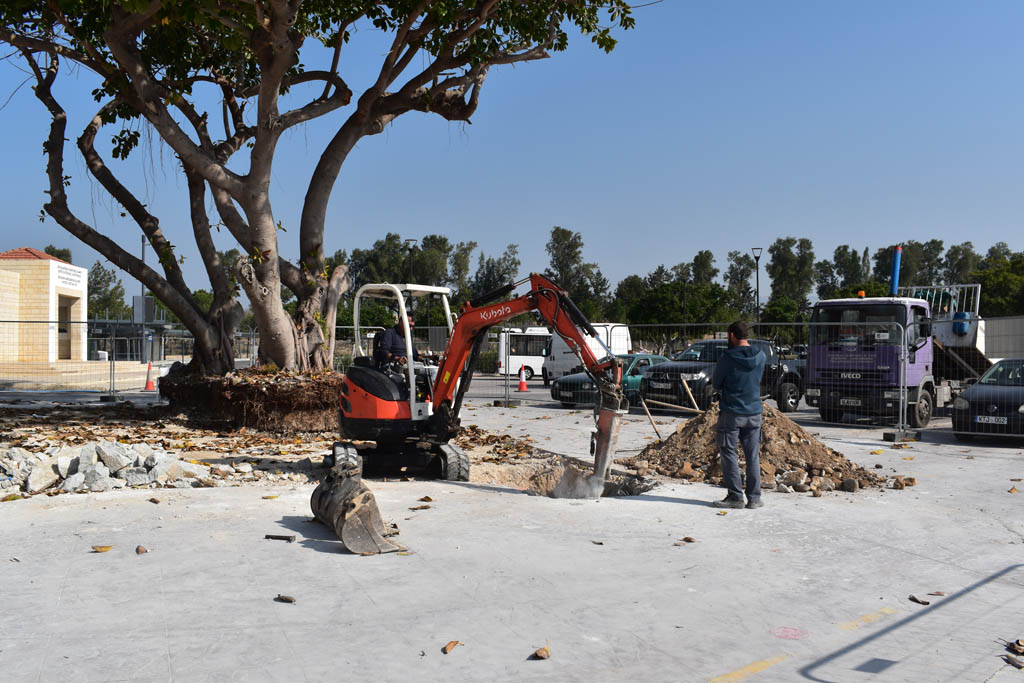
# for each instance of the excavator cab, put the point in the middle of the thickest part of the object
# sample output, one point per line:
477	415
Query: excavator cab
390	403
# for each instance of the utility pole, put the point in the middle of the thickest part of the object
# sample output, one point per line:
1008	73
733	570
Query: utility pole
756	251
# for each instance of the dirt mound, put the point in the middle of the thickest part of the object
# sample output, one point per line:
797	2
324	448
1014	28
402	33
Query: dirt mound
790	456
277	401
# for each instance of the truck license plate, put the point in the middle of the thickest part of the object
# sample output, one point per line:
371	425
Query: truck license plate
661	385
990	420
849	401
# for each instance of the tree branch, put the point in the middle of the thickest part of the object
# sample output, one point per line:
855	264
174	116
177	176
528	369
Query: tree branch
57	206
120	38
149	224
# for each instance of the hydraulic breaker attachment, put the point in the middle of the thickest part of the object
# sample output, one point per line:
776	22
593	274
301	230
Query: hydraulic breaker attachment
609	417
344	503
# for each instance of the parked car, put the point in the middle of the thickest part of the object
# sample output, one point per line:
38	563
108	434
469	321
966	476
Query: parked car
782	379
994	404
570	390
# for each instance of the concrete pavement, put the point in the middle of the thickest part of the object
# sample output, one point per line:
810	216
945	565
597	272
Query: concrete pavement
803	589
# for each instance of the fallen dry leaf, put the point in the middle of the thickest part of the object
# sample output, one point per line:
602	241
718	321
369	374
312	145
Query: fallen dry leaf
421	507
598	542
542	653
269	497
425	499
878	452
154	501
908	457
141	550
450	646
1013	661
285	598
914	598
1016	479
938	593
688	539
1013	490
722	512
101	548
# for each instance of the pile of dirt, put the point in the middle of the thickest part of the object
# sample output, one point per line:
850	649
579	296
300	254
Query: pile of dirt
791	458
256	398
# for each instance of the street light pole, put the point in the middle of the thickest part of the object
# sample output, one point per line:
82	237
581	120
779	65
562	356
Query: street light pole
756	251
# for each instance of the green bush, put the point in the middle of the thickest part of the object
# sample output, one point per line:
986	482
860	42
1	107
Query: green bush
487	361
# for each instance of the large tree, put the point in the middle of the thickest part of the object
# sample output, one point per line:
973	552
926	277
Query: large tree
586	285
106	294
791	268
212	78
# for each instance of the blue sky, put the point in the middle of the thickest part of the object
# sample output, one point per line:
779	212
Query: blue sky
713	125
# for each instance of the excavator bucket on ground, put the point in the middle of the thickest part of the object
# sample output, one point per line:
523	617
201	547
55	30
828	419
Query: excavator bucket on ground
344	503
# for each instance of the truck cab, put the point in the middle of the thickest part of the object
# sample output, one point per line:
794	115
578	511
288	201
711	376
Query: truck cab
864	353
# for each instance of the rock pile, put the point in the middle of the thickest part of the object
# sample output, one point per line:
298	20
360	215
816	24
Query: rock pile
106	465
791	458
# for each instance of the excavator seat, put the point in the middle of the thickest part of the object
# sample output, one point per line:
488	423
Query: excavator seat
383	385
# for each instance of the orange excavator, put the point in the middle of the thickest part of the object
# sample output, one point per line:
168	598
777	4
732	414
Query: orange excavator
410	411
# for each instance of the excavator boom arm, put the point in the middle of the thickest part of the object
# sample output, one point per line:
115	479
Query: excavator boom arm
546	298
555	306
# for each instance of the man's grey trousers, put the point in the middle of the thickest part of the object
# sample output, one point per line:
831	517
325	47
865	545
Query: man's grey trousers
746	430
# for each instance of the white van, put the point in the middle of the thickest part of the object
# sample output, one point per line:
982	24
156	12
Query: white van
561	360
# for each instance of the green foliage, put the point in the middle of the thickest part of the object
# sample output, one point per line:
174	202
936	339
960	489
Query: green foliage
869	287
791	269
1002	285
737	281
106	294
920	264
825	278
960	260
492	272
64	254
703	270
586	285
487	362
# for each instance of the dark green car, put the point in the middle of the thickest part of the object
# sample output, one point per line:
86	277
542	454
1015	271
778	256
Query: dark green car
578	388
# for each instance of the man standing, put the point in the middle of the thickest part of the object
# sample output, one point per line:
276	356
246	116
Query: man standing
738	378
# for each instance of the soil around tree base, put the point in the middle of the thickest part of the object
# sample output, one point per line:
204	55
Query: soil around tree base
280	402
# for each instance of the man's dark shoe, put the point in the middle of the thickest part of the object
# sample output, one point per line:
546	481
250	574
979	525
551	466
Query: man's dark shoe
730	503
755	503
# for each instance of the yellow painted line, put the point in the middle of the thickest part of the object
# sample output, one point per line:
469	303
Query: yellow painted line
870	618
749	669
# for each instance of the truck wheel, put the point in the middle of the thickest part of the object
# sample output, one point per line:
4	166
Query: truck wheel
830	414
528	371
788	397
920	414
456	465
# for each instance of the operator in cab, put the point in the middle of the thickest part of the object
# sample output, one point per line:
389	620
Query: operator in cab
392	345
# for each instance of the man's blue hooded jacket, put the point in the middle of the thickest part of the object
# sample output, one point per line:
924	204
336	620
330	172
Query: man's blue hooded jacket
738	377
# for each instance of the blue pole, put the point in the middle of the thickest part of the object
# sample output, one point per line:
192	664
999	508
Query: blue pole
894	281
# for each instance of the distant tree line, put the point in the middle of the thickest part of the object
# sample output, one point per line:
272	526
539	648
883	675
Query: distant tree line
693	292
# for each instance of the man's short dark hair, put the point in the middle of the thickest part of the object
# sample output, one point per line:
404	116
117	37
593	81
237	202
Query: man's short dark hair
739	329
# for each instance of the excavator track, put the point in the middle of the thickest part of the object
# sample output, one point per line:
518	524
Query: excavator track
344	503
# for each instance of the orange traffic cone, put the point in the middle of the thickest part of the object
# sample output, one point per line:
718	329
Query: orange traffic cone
149	380
522	378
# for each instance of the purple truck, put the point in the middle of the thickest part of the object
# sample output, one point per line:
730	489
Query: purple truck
865	352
